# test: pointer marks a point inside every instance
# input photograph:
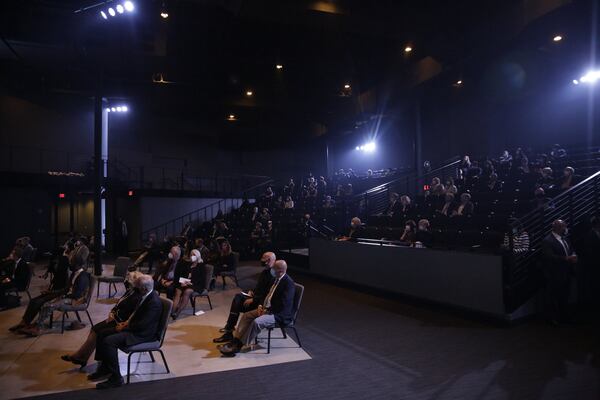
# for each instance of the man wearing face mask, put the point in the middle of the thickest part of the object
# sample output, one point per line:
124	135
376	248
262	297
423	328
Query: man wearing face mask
140	327
246	302
75	293
559	267
166	273
356	230
275	308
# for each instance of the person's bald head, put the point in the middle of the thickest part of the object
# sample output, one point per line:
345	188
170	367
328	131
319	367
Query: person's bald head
559	227
268	259
280	268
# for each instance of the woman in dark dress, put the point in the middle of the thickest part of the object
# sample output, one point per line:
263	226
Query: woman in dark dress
226	261
196	276
120	313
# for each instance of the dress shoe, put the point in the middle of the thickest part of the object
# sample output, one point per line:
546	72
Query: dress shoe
229	348
110	383
225	338
32	331
98	375
75	361
15	328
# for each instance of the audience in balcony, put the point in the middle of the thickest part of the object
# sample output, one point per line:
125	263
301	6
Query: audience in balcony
540	199
558	152
569	179
520	238
449	206
493	184
423	236
409	233
356	230
289	203
505	159
466	207
405	204
28	250
289	189
328	203
220	229
393	205
546	181
450	186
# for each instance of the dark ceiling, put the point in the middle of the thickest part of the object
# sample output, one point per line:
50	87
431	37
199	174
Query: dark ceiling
211	52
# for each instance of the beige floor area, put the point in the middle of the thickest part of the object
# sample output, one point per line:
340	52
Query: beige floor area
32	366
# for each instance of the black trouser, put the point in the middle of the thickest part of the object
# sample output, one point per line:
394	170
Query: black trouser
558	289
102	330
237	307
107	351
36	304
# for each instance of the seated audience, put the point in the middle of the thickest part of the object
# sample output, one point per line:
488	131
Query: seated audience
409	233
450	186
140	327
569	179
540	199
493	184
449	206
242	303
405	204
193	276
220	229
393	205
546	181
14	274
558	152
226	260
465	207
74	293
328	202
25	243
166	273
423	237
289	203
520	238
118	314
505	158
276	308
356	230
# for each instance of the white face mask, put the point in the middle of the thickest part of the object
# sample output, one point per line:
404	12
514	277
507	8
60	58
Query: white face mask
170	256
194	258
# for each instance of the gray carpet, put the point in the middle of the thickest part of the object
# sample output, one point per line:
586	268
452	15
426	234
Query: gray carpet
365	347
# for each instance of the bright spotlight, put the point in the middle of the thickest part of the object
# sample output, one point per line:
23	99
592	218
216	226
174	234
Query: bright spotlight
575	82
120	9
347	86
118	109
370	147
113	109
112	12
103	15
124	109
249	93
408	49
108	110
128	6
557	38
357	147
591	77
164	15
279	66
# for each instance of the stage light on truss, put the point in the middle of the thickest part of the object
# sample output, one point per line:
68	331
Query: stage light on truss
111	11
128	6
103	14
120	9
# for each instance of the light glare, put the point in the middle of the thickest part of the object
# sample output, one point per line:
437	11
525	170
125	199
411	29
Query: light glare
111	11
408	49
557	38
124	109
120	9
591	77
103	14
128	6
279	66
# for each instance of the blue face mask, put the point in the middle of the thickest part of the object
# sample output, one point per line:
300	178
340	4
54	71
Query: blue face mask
273	274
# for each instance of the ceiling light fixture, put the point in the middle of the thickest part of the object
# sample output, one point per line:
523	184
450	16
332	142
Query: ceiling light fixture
249	93
278	66
231	117
120	9
347	86
103	14
128	6
557	38
164	13
112	12
408	49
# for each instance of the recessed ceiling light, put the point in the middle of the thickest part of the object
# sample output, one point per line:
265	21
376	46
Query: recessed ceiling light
278	66
249	93
164	15
231	117
347	86
557	38
408	49
459	82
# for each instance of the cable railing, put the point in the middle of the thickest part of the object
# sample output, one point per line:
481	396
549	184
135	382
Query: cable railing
375	200
207	213
574	206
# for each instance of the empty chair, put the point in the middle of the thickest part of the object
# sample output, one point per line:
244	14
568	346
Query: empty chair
204	293
119	273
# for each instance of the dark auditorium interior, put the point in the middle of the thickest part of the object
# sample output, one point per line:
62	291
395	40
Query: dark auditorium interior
320	199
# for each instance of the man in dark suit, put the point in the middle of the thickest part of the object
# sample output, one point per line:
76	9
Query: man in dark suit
242	303
74	292
15	274
277	308
393	206
141	327
559	262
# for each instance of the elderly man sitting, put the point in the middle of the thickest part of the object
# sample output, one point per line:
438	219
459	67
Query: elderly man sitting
276	308
140	327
